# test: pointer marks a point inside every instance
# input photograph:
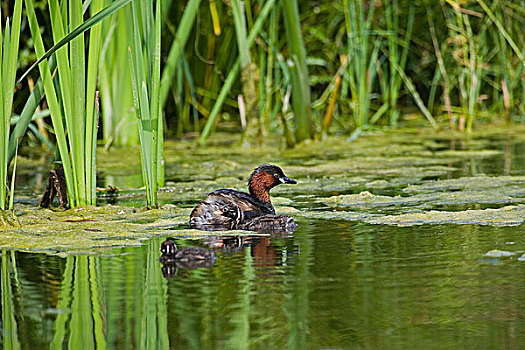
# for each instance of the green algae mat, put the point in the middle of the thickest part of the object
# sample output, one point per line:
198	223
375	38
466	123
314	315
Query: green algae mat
88	229
398	178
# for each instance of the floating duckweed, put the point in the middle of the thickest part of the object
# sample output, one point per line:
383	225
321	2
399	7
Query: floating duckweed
477	183
506	216
386	178
94	229
498	254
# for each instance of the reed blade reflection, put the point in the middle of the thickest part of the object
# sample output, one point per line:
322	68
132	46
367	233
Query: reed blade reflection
9	324
332	284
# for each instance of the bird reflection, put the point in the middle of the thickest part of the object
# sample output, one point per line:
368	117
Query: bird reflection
262	250
173	258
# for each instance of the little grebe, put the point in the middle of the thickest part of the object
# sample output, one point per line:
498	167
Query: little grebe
266	223
231	209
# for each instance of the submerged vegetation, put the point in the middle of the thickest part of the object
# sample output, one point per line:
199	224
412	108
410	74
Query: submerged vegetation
258	68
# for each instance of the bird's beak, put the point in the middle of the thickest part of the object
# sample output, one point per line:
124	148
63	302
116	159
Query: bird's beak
287	180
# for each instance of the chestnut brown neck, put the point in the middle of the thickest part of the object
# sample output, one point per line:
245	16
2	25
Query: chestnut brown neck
260	185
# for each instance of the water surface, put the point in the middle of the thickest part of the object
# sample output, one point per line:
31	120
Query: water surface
336	283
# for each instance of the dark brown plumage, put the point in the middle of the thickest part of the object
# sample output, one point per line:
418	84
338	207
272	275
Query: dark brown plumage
265	223
239	207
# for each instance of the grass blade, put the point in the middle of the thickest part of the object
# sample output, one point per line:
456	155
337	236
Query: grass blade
91	103
410	86
299	71
144	58
9	45
181	37
232	75
51	97
27	113
12	189
106	12
501	28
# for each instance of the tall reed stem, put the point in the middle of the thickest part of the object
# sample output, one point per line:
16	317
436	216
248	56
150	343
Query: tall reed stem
73	99
301	101
252	130
363	69
9	43
144	56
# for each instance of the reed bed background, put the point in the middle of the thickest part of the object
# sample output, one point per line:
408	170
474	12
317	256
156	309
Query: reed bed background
257	68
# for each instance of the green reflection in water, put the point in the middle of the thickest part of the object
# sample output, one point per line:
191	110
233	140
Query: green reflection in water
80	320
154	328
338	282
9	325
333	284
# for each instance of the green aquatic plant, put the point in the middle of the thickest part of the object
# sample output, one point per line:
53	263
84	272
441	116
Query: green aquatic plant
479	64
119	123
268	95
29	113
470	54
144	58
501	28
248	104
23	121
258	101
508	84
176	50
298	68
73	100
398	48
9	44
360	62
440	73
234	71
363	48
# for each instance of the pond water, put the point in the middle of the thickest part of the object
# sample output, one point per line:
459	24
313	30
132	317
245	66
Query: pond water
403	241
